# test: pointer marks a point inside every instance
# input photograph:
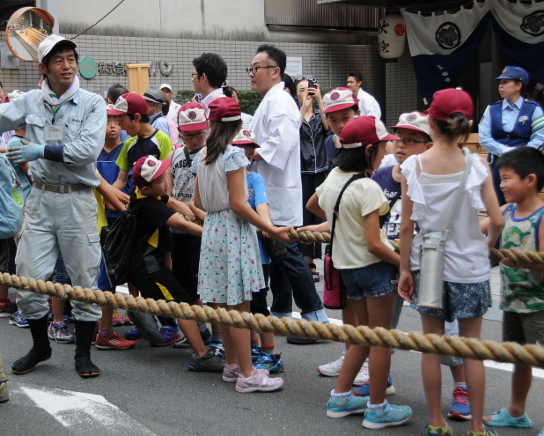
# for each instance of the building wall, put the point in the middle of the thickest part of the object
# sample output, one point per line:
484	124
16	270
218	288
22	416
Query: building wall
329	63
240	20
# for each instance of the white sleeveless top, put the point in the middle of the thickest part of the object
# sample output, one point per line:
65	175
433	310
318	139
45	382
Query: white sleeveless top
433	195
213	184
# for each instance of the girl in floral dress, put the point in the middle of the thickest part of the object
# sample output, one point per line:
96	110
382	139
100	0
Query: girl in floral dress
230	264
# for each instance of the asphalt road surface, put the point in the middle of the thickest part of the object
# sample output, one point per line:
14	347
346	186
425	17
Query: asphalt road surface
149	391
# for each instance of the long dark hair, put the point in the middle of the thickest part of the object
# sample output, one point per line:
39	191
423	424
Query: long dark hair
355	160
221	134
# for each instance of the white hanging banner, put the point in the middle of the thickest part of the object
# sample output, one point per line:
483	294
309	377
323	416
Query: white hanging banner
441	34
522	21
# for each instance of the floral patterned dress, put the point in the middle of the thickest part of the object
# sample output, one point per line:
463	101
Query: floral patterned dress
230	264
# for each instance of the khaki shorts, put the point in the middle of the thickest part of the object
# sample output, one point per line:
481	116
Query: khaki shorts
523	328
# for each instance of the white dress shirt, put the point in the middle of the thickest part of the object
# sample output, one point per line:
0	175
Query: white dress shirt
276	125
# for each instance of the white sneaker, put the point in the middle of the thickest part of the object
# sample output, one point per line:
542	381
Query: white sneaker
332	369
362	376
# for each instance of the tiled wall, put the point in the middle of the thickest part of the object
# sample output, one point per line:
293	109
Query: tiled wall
329	63
393	83
402	94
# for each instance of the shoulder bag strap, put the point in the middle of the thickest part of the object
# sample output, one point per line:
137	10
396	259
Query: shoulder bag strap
458	198
336	209
187	157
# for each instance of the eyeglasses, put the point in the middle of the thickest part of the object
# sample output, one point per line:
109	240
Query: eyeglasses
255	68
308	78
191	136
409	141
193	75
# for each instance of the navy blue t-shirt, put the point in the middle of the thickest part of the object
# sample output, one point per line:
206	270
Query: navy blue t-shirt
390	188
106	166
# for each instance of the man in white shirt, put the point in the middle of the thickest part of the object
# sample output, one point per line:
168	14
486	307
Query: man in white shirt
367	104
209	77
276	125
173	107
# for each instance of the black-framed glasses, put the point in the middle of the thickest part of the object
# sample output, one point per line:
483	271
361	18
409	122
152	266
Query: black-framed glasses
190	136
193	75
255	68
409	141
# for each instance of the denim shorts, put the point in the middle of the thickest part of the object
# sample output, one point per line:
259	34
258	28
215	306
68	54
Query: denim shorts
461	300
370	281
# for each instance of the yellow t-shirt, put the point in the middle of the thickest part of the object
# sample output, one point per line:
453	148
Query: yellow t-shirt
362	197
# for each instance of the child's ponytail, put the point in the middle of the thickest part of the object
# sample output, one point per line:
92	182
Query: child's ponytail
452	109
456	126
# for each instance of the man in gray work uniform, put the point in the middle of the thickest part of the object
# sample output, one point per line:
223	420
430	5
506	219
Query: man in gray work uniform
66	127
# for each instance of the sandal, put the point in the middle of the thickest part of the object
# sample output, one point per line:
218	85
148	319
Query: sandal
503	419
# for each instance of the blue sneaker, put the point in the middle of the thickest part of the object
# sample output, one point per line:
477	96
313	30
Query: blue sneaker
169	334
460	407
364	390
133	334
391	415
350	405
503	419
19	320
271	362
541	432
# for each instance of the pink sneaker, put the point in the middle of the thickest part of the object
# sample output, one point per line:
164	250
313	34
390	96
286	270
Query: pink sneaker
230	373
116	320
127	320
258	382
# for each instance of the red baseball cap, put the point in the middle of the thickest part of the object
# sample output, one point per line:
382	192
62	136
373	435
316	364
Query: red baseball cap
192	116
447	102
148	168
363	131
129	103
224	109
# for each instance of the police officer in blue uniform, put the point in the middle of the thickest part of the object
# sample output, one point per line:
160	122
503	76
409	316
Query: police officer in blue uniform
511	122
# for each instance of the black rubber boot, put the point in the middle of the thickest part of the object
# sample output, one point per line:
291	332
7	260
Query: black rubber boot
40	351
84	336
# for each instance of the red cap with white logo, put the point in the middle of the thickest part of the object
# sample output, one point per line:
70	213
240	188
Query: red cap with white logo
148	168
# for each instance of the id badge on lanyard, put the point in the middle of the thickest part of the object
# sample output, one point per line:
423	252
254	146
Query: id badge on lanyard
53	133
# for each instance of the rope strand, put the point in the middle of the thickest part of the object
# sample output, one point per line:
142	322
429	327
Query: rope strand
363	335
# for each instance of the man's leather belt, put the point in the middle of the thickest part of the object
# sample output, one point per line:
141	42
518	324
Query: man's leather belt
60	189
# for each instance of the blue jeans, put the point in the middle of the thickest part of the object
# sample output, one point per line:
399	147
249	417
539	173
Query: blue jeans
292	279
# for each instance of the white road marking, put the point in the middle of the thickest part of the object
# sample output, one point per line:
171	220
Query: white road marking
84	413
509	367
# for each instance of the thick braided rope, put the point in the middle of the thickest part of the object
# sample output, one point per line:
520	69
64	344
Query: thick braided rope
528	257
444	345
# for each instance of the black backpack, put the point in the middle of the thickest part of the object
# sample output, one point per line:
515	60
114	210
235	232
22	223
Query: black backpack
118	243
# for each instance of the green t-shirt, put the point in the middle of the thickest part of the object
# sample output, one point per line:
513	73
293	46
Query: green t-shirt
522	289
158	144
